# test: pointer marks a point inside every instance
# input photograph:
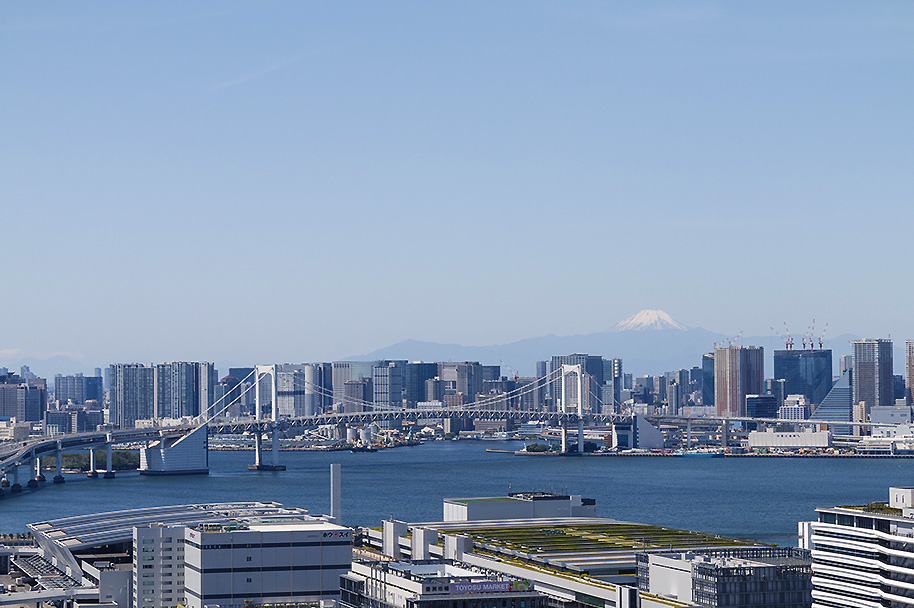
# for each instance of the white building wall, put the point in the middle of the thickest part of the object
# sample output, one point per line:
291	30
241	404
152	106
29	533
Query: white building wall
158	567
185	455
266	564
807	439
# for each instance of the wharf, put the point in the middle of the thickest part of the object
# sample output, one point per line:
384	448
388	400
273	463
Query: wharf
673	455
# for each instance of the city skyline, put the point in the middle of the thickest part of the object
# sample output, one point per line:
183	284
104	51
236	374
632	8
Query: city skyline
292	182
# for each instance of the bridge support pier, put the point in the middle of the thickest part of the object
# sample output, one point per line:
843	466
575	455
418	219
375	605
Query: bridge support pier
58	471
689	434
16	487
578	370
260	371
109	464
93	472
724	432
39	476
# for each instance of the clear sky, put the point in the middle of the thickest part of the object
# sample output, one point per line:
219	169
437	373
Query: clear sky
293	181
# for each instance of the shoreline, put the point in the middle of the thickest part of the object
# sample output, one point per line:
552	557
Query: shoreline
700	455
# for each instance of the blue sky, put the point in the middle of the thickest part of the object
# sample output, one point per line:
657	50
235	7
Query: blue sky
290	181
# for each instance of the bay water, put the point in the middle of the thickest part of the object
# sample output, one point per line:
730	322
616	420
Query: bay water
759	498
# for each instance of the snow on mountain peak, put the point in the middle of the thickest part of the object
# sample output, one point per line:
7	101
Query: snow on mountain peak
649	319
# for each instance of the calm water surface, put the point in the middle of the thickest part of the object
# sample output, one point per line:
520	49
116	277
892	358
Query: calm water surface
755	498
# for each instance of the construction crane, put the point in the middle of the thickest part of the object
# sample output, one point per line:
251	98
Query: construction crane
786	340
511	369
789	339
822	336
810	332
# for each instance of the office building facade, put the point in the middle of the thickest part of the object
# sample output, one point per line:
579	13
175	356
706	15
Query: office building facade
738	371
707	379
133	393
417	374
78	389
388	382
432	584
837	405
158	566
344	372
244	564
805	372
873	380
909	371
863	555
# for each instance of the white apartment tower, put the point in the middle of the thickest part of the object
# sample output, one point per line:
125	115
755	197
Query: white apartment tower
158	566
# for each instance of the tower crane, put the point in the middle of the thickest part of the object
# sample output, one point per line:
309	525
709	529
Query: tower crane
511	369
786	340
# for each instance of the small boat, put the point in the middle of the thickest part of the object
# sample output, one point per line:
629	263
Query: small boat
363	448
684	454
500	436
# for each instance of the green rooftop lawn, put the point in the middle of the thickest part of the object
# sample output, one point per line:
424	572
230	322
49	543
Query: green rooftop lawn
596	538
875	507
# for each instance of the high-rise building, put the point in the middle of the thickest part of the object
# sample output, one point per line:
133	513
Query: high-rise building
545	392
707	379
899	388
227	397
357	394
318	388
873	382
343	372
133	393
388	380
909	371
845	363
761	406
183	388
778	388
805	372
462	378
613	377
290	389
738	371
25	399
417	374
206	378
593	367
837	405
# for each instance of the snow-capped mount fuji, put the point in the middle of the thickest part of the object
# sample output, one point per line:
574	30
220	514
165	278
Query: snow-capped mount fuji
648	342
649	320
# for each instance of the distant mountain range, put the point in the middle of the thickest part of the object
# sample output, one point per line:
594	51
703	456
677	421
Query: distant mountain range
648	342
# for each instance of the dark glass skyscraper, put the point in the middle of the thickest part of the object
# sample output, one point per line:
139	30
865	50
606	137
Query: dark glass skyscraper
707	379
805	372
417	374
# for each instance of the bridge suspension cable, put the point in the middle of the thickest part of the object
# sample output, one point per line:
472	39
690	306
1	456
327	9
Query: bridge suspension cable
229	404
486	399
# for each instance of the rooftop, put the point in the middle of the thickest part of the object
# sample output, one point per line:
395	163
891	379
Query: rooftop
877	508
592	538
100	529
